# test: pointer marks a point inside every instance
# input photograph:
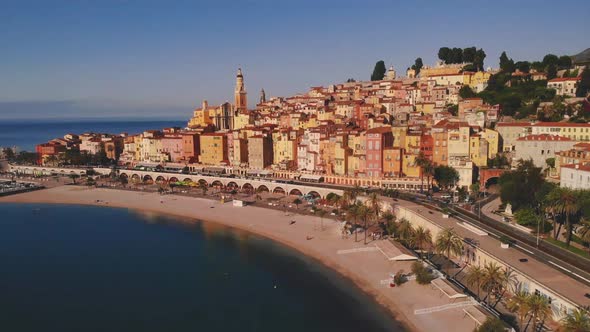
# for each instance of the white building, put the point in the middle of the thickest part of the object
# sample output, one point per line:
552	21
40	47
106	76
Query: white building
575	176
540	147
564	86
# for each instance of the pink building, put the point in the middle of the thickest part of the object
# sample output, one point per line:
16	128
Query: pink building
377	140
172	145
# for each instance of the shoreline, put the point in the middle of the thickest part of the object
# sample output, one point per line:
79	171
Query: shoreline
364	270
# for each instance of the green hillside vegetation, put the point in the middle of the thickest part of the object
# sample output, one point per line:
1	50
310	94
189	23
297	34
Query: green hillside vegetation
518	96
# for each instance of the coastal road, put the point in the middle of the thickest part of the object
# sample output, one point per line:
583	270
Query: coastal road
573	265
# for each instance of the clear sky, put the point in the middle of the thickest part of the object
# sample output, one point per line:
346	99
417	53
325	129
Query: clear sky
105	58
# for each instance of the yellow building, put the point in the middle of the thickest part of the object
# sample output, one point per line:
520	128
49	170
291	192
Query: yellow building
493	138
341	158
409	167
213	149
242	120
285	149
477	78
399	136
478	150
574	131
426	108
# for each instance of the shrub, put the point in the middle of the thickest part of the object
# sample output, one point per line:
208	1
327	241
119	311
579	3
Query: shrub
399	278
423	276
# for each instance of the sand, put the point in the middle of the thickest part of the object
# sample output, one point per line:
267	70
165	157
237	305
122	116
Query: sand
369	270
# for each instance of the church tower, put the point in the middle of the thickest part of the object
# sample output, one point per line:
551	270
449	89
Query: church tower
262	96
241	102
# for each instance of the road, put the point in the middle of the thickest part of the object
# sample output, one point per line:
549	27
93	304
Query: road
573	265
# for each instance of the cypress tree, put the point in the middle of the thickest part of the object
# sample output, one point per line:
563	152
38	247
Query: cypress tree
379	71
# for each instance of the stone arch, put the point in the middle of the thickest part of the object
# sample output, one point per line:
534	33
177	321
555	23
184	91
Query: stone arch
279	190
295	192
173	179
123	176
490	181
203	182
247	187
148	179
160	180
216	183
262	188
232	185
135	178
314	194
187	180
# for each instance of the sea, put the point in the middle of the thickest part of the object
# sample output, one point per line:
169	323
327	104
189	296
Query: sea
81	268
25	134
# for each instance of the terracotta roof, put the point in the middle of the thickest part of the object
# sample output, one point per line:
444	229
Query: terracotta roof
560	124
513	124
564	79
545	137
585	167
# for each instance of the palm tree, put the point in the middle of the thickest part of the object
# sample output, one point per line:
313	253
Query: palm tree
364	213
353	214
428	170
539	309
492	279
449	243
405	231
421	161
321	213
375	204
74	177
568	205
474	276
422	239
584	232
518	304
576	321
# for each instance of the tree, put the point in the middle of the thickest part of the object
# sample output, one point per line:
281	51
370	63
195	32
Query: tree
551	72
469	54
584	84
518	304
421	161
506	64
525	178
297	201
550	60
449	243
353	213
526	217
456	55
474	276
446	176
492	279
74	177
375	204
480	55
405	231
466	92
321	213
418	65
421	239
576	321
475	189
378	71
523	66
8	153
350	80
564	62
491	324
539	309
567	203
444	54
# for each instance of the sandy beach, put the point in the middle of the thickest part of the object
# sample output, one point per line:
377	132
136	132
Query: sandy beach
369	269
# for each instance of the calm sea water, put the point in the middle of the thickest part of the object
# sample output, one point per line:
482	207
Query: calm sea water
74	268
26	134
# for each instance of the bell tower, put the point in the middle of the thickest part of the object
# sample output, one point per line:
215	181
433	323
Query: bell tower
241	102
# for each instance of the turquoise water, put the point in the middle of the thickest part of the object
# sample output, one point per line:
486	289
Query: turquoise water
75	268
26	134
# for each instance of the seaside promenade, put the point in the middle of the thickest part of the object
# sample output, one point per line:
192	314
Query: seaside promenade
420	308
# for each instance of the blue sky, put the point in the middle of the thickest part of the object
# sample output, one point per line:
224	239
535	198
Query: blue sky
162	58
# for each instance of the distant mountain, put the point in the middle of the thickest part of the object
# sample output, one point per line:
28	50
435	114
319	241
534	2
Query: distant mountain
582	57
